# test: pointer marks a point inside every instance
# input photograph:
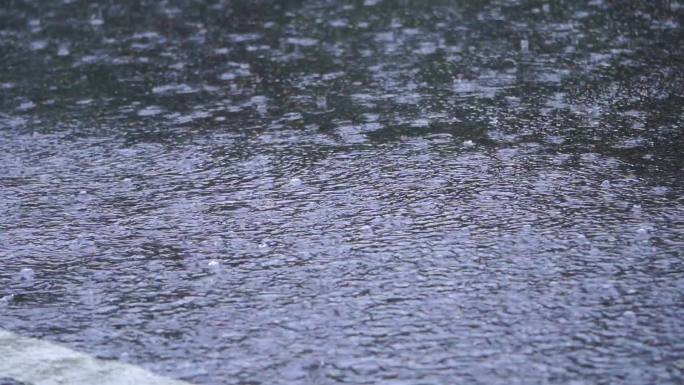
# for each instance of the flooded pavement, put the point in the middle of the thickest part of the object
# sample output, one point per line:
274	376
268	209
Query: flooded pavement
368	192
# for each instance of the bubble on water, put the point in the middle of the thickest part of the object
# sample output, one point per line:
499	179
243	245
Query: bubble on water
605	184
419	123
231	75
332	75
25	106
468	143
370	127
96	21
526	229
581	14
63	50
26	274
509	65
187	118
147	35
660	190
302	41
295	182
642	233
629	317
581	238
292	116
410	98
679	364
426	48
367	230
465	86
243	37
173	89
177	66
338	23
38	45
557	101
632	143
370	117
150	111
5	300
236	70
552	77
260	103
351	134
322	102
213	263
554	139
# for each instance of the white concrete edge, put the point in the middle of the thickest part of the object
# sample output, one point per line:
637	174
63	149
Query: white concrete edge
37	362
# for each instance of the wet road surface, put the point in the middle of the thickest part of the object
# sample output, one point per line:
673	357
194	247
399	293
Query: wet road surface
394	192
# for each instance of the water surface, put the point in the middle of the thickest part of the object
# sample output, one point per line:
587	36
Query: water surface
364	192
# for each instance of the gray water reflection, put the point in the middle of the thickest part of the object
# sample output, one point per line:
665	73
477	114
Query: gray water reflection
235	192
